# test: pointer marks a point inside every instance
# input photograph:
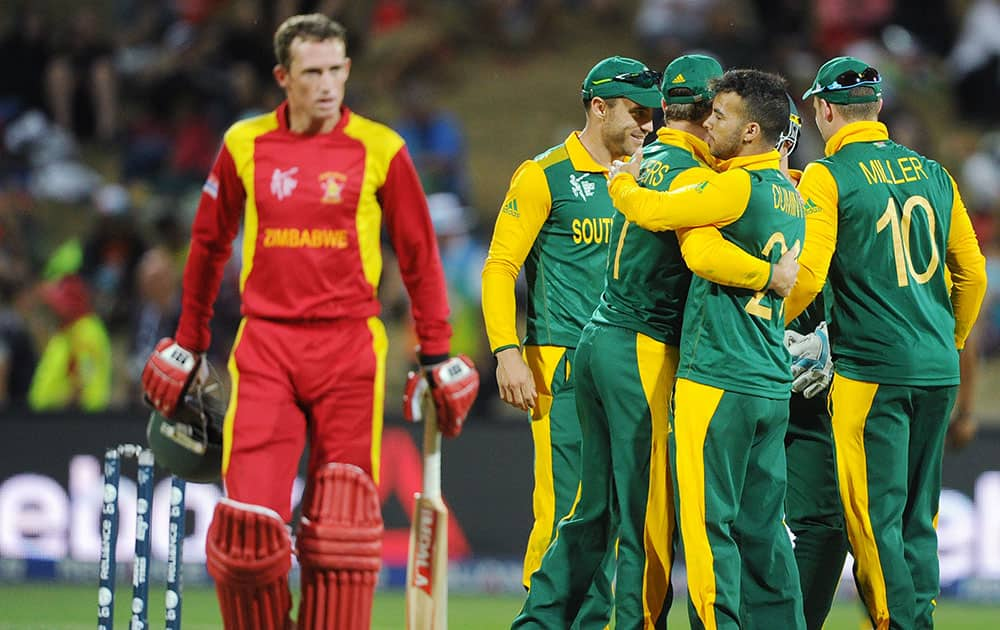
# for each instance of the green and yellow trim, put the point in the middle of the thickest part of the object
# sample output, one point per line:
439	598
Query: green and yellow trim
694	406
851	402
543	361
657	366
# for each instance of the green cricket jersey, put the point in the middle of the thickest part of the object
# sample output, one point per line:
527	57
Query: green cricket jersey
646	281
556	222
733	338
891	212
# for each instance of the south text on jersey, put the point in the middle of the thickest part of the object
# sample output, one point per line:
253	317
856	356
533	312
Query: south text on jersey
591	230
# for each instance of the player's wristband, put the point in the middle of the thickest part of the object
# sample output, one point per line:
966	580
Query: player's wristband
431	359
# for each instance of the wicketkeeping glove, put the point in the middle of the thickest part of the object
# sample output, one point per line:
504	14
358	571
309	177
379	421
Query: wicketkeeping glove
812	364
453	385
169	371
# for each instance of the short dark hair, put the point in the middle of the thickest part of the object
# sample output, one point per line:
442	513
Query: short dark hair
764	99
859	111
311	26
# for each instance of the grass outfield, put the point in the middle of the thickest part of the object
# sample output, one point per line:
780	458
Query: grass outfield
61	607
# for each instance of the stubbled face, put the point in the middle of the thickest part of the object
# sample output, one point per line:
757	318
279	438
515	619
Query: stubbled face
315	78
626	125
726	126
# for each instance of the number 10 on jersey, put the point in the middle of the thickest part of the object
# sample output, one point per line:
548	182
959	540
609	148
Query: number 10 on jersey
900	230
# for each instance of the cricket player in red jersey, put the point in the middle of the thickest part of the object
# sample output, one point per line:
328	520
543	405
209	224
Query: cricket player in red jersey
313	183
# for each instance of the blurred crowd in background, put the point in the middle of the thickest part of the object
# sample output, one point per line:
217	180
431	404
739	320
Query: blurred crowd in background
111	113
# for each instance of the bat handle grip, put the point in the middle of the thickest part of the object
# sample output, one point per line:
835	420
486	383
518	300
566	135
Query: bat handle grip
432	456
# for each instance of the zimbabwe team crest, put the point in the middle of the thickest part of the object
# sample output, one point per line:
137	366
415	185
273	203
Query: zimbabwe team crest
333	186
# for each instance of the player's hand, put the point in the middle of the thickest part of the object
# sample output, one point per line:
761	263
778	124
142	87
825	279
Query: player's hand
631	166
454	385
784	273
812	363
515	381
169	371
961	429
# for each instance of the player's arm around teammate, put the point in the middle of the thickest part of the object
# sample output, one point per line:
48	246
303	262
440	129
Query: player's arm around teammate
698	202
728	412
625	365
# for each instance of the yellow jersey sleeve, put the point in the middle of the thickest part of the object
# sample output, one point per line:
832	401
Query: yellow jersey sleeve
702	197
709	255
525	208
819	191
967	266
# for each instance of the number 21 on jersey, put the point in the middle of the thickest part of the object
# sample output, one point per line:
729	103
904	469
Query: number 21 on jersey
754	306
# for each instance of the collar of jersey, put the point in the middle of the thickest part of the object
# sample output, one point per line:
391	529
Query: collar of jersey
863	131
580	157
760	161
282	113
689	142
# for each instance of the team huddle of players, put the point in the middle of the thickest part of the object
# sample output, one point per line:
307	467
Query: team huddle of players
661	350
672	308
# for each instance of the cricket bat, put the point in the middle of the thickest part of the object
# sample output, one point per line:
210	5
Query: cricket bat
427	564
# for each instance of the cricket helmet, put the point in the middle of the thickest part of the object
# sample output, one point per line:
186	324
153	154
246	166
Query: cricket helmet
189	444
791	133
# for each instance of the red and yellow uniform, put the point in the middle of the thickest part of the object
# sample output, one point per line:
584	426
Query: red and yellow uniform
310	351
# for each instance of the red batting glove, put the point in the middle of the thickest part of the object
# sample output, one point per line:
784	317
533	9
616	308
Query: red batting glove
454	385
167	375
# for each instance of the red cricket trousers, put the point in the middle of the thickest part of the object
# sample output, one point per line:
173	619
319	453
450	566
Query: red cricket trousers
293	381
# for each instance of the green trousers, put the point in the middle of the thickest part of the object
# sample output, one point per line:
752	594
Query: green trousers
622	382
555	431
728	456
889	442
812	506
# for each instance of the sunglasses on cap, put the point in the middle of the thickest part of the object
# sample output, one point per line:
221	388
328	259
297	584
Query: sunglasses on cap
852	78
644	79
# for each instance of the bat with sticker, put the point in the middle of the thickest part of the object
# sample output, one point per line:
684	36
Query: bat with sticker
427	564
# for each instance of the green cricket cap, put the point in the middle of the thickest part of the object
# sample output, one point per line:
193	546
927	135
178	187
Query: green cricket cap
693	72
837	77
621	77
